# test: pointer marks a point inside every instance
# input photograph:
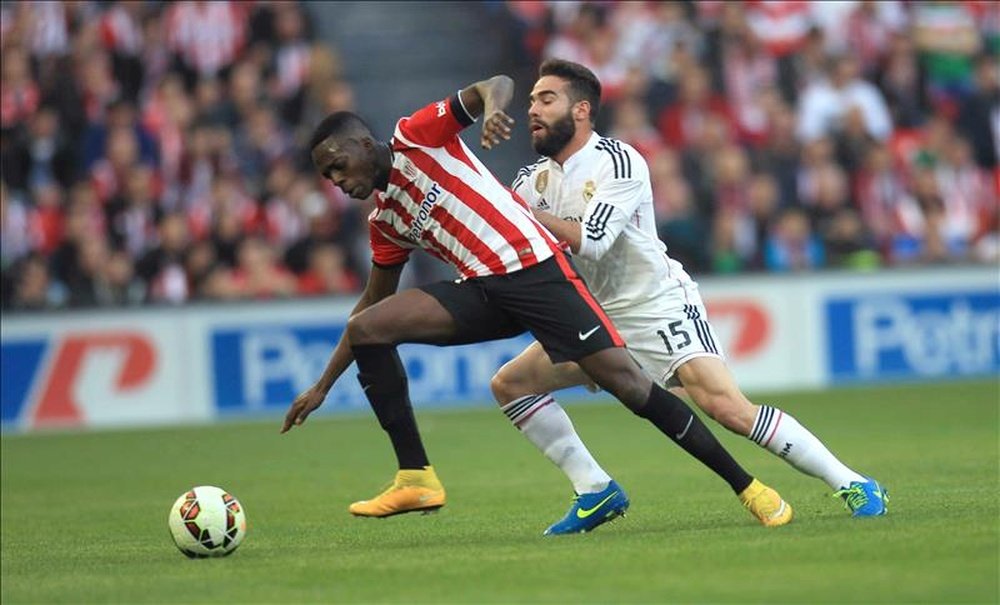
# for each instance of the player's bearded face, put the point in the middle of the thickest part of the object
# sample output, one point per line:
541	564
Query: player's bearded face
554	134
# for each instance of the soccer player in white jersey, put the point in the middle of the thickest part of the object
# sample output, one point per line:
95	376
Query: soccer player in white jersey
431	192
594	193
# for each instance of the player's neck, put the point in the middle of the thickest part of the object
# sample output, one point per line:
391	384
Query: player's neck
575	144
383	165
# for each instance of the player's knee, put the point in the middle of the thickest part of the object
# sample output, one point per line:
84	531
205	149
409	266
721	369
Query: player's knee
360	330
630	386
505	387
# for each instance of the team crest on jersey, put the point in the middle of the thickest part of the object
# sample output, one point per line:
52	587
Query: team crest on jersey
408	169
542	181
588	191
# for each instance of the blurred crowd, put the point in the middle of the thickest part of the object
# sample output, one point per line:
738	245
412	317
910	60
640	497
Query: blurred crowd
793	135
152	152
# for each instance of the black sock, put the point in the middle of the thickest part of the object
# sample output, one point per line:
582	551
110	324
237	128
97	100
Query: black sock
383	379
676	420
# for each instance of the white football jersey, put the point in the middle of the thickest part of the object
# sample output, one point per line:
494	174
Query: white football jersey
605	186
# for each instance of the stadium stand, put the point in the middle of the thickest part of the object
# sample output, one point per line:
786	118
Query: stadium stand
152	152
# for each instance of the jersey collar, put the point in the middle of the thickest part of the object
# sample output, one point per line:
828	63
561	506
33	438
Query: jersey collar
581	156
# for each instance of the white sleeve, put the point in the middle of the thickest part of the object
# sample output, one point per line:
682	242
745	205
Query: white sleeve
522	184
616	198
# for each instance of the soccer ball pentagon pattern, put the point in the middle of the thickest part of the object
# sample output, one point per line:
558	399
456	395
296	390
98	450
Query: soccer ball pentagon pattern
207	521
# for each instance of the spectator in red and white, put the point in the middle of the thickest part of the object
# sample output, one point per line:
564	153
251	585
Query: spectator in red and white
782	25
824	104
681	123
226	202
750	77
328	273
259	274
902	80
882	197
287	211
968	193
207	37
869	30
19	94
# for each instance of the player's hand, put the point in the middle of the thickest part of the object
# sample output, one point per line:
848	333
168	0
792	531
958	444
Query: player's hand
304	404
496	128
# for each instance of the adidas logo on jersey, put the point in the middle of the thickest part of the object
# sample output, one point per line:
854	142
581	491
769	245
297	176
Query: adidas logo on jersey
543	204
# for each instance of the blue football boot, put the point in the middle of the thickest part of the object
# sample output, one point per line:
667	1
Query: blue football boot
590	510
867	499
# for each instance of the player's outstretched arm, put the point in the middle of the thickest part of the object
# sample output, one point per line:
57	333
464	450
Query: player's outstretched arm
490	98
382	282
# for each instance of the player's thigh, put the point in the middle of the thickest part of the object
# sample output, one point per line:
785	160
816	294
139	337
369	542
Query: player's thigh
474	317
668	336
407	316
532	372
552	302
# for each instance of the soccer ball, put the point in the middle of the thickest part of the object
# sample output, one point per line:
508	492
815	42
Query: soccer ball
207	521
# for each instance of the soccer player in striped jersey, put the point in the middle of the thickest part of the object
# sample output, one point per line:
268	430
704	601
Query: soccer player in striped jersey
431	192
594	193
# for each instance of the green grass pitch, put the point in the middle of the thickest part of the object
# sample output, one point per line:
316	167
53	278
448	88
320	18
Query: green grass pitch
84	515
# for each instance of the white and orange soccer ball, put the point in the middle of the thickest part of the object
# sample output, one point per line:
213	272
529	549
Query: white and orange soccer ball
207	521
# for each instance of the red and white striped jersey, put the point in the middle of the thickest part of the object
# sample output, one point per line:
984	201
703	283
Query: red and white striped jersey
441	198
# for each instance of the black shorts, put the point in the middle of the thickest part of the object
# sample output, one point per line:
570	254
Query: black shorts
548	299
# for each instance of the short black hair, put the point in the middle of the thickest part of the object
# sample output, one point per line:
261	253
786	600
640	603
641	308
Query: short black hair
583	84
338	124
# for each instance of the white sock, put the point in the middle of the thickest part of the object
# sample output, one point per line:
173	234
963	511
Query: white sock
783	436
545	423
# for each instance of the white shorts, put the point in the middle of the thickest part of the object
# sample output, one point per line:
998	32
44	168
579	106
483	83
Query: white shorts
663	338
